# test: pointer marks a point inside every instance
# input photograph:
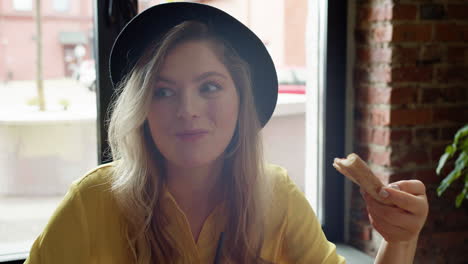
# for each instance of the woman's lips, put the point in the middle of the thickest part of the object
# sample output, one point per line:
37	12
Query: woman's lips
191	135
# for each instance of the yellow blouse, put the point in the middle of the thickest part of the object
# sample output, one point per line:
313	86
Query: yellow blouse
87	227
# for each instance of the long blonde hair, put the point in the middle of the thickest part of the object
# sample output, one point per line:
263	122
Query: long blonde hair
138	174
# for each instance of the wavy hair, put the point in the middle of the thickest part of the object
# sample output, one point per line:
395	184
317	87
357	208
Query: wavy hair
139	173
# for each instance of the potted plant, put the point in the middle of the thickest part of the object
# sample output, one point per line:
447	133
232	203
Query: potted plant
459	146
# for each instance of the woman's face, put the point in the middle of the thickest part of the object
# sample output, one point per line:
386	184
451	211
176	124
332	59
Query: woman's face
195	105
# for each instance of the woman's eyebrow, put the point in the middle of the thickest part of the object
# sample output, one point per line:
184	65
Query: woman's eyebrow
208	74
197	79
163	79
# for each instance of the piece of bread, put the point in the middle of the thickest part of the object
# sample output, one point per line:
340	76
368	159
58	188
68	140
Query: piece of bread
355	169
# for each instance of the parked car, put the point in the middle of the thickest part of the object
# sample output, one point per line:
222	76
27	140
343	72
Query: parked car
291	80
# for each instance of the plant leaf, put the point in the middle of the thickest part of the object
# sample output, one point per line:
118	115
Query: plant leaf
460	198
442	161
453	175
462	132
450	149
461	161
463	194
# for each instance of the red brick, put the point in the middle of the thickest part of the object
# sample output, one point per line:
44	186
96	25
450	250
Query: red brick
427	176
400	136
360	75
451	114
412	74
371	135
404	55
400	176
451	32
431	11
410	156
375	13
457	55
374	55
404	95
411	116
452	74
437	150
380	34
425	135
457	11
374	74
361	35
446	240
448	133
380	157
444	95
404	12
430	54
379	74
412	32
383	136
378	117
372	95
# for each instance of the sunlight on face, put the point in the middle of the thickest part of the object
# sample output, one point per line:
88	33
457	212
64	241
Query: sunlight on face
195	106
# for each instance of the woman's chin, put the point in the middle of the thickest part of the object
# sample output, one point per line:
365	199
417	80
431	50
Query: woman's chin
192	162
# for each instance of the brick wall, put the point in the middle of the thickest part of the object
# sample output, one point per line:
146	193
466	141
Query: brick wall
411	84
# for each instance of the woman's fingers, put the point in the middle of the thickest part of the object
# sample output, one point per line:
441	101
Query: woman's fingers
414	187
404	218
390	232
391	215
411	196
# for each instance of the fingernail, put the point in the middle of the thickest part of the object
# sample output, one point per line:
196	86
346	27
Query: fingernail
395	186
383	193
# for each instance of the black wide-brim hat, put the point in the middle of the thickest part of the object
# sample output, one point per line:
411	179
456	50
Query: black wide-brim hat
155	21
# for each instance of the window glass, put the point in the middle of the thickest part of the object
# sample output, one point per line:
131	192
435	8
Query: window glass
22	5
61	5
47	117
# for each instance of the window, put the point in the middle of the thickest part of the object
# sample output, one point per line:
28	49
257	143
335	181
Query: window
43	150
61	5
22	5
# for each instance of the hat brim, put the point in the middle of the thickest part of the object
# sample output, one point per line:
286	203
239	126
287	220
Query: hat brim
157	20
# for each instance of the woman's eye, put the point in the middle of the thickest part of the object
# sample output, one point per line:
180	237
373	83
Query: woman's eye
210	87
163	92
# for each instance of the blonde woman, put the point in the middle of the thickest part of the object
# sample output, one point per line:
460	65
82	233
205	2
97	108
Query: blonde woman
188	183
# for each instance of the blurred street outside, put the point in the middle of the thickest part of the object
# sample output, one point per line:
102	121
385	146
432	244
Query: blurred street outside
20	96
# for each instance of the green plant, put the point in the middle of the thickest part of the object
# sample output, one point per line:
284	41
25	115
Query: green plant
460	146
33	101
64	103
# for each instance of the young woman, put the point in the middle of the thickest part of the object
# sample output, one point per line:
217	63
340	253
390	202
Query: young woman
188	183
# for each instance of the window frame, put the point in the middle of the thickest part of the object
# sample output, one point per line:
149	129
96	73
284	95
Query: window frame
335	119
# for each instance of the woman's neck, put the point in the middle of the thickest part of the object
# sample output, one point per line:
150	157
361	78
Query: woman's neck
195	188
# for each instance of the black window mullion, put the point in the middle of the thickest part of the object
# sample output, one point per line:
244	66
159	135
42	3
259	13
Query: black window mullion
108	21
335	83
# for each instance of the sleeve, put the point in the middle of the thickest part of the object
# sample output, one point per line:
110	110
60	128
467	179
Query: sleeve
65	238
305	241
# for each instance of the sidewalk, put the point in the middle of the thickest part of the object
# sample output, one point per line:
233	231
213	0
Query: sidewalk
16	94
22	219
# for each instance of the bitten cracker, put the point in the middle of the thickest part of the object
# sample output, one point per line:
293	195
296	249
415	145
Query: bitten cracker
355	169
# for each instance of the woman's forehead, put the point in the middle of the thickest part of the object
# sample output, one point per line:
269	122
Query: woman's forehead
191	58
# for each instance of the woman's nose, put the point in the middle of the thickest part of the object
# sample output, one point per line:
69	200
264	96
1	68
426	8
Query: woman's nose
189	106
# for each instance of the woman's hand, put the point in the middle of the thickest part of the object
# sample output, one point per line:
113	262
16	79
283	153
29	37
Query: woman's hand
402	221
